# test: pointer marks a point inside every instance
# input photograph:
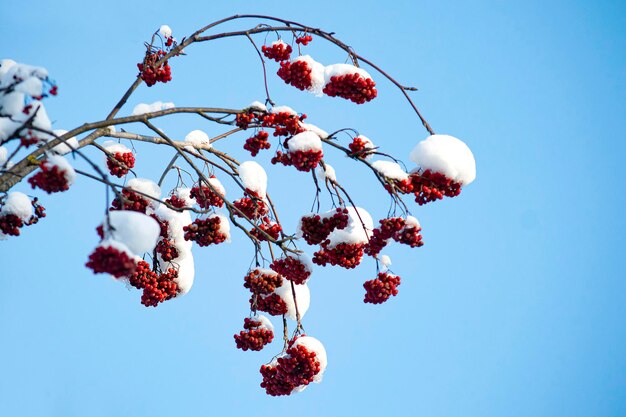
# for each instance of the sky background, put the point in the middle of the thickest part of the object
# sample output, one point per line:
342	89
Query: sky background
514	307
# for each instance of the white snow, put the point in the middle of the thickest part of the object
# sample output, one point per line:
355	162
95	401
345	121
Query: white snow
386	261
186	271
312	128
315	346
217	185
343	69
412	221
317	74
354	231
283	109
257	105
115	147
265	322
390	170
137	231
63	166
198	137
224	225
327	171
185	195
12	104
254	177
165	31
143	108
41	120
305	141
67	146
4	155
303	298
145	186
447	155
18	204
119	246
31	86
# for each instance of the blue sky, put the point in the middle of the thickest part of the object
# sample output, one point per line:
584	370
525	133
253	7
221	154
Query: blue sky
515	306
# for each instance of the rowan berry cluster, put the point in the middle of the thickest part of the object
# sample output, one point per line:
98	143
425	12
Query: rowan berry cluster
254	336
296	73
176	201
432	186
283	123
111	260
50	178
304	40
381	288
315	228
10	224
130	200
167	250
120	163
206	197
360	147
257	142
273	229
346	255
262	282
292	269
252	208
381	235
205	232
353	87
150	73
278	51
156	287
301	160
272	304
297	368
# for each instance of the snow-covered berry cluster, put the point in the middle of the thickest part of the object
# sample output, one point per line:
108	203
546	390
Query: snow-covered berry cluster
361	147
380	289
404	231
278	51
271	228
304	152
206	232
346	255
316	228
112	257
272	304
353	87
167	250
257	333
17	211
150	73
431	186
130	200
55	175
252	208
262	281
296	269
297	73
257	142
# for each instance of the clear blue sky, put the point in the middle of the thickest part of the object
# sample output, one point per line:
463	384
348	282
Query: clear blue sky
515	306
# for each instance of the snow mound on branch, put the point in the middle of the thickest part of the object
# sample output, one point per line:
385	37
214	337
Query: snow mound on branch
17	204
343	69
67	146
283	109
136	230
145	186
61	163
303	298
265	322
254	178
386	261
447	155
165	31
305	141
315	346
412	221
325	172
115	147
390	170
4	154
317	74
198	137
312	128
185	195
354	231
217	184
257	105
143	108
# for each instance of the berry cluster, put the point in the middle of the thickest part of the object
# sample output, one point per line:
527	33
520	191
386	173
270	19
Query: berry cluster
252	208
304	40
205	232
130	201
50	178
301	160
206	197
410	235
379	290
292	269
28	138
283	123
360	148
260	282
431	186
346	255
150	73
167	250
381	235
279	51
296	73
111	260
120	163
271	304
176	201
316	229
353	87
298	367
273	229
10	224
257	142
156	287
254	336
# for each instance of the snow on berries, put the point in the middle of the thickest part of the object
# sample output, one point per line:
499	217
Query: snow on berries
278	51
254	178
303	298
137	231
303	362
315	228
206	196
120	160
17	211
262	281
349	82
112	257
272	304
304	152
258	332
296	268
379	290
304	73
362	147
55	174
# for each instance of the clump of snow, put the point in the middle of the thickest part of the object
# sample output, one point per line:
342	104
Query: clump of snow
283	109
145	186
198	137
327	171
61	163
303	298
186	271
185	195
412	221
115	244
343	69
143	108
305	141
390	170
4	155
315	346
67	146
447	155
217	185
137	231
224	225
31	86
165	31
385	260
17	204
257	105
265	322
317	74
115	147
254	177
312	128
354	232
